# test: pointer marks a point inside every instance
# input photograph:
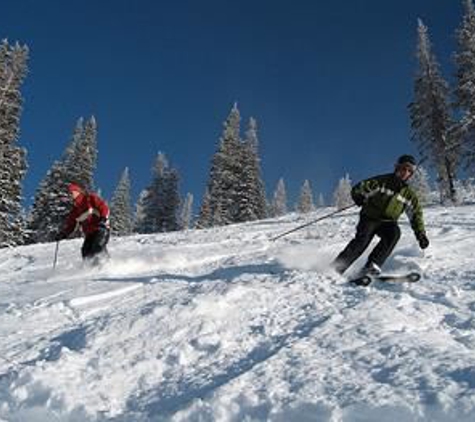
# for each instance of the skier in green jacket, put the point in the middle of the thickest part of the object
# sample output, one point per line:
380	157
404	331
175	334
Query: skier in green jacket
383	199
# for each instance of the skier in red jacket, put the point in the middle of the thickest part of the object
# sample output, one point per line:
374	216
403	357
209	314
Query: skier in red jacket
92	214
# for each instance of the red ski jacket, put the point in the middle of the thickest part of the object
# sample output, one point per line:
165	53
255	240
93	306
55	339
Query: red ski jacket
88	210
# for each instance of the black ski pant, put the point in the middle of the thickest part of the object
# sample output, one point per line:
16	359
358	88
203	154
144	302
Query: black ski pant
95	243
388	232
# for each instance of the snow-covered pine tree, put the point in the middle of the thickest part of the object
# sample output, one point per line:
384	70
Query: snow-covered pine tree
161	203
82	160
70	150
431	122
259	202
225	171
219	217
205	217
279	201
154	198
13	70
305	203
342	194
172	202
250	191
121	207
464	92
420	183
52	203
186	212
235	186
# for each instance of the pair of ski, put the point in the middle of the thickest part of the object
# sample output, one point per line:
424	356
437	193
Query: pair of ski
367	279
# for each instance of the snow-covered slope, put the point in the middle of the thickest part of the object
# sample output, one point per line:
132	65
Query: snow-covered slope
224	325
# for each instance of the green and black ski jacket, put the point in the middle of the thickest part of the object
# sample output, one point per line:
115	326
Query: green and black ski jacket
386	197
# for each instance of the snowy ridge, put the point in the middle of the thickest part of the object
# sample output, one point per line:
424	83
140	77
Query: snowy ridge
223	325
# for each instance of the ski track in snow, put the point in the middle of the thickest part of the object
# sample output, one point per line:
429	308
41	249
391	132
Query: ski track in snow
224	325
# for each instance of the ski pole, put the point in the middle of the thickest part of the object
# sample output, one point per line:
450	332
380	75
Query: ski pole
56	255
313	222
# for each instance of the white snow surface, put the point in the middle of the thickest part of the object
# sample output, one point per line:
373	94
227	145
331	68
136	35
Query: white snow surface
226	325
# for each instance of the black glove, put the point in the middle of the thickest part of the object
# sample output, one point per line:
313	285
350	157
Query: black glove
423	240
358	199
103	224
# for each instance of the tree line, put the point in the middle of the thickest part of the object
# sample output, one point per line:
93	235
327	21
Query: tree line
442	121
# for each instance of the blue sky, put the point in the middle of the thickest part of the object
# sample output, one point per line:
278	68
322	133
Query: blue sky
328	82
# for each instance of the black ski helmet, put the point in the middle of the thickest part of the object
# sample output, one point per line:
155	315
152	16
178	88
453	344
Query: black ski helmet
406	159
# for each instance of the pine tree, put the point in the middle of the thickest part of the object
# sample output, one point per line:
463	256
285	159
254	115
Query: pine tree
259	203
82	160
154	198
431	122
464	93
342	194
279	202
225	172
235	187
186	213
219	217
205	217
160	204
13	70
172	202
121	208
52	203
250	192
305	202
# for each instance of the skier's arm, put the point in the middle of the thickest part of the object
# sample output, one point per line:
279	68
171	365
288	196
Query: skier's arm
71	223
100	207
414	212
363	190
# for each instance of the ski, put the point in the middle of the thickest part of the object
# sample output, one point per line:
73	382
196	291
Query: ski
366	280
411	277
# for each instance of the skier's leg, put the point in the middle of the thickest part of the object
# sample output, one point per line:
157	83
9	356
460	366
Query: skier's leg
103	241
365	232
389	232
99	240
87	247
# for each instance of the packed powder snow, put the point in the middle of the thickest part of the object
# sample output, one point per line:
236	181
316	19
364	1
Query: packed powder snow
225	325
